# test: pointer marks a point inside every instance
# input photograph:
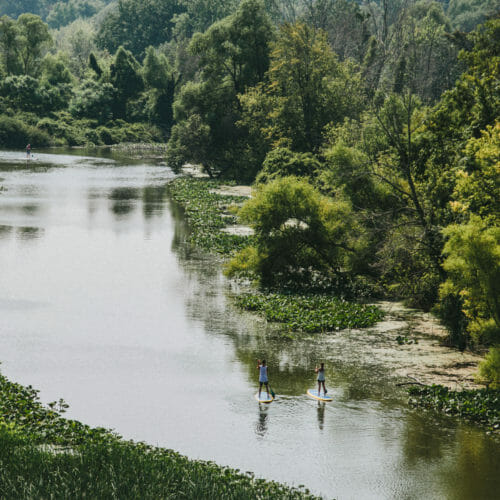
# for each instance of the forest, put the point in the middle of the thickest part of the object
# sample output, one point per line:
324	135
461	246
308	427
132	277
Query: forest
370	130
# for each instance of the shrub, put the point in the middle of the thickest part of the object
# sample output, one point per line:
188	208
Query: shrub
489	369
15	133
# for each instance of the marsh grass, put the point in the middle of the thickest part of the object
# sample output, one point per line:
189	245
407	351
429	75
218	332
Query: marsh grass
44	455
120	470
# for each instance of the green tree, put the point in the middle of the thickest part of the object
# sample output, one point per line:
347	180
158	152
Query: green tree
233	54
136	25
282	162
34	41
161	82
201	14
472	253
93	100
297	231
125	76
9	42
477	189
307	89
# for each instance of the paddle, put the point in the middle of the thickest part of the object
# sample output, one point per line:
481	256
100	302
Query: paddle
271	391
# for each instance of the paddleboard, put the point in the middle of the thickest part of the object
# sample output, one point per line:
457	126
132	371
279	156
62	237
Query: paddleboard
263	397
313	393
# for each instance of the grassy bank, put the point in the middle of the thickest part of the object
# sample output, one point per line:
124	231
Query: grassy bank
44	455
480	406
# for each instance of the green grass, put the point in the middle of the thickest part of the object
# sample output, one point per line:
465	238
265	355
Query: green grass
311	313
480	406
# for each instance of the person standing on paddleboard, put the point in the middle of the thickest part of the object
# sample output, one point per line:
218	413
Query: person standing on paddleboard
321	377
28	150
262	367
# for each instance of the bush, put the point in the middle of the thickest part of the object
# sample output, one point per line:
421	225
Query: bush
15	133
489	369
450	311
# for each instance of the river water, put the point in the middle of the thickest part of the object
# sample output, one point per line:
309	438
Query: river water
103	303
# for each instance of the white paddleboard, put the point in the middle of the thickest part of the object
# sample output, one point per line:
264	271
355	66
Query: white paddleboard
313	393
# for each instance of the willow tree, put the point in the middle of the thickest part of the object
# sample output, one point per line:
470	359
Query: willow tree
300	235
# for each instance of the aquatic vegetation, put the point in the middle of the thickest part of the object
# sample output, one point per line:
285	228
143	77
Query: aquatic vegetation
207	213
122	470
479	406
21	408
311	313
44	455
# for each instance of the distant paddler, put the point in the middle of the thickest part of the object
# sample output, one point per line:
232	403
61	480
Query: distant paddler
28	151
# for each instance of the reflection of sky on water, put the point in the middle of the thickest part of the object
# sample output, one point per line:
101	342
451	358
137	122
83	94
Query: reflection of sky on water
105	304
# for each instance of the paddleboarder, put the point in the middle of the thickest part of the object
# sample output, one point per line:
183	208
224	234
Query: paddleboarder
263	380
321	378
28	150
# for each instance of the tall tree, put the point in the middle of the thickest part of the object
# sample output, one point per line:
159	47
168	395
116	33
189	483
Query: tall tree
307	88
233	55
136	25
34	40
126	78
9	43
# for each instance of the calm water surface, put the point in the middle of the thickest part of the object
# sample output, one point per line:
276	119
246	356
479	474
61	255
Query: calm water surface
103	303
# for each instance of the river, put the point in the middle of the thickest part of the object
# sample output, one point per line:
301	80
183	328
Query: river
104	303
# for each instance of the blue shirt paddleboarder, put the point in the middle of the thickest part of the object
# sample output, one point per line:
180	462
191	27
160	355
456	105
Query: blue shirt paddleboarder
263	380
321	378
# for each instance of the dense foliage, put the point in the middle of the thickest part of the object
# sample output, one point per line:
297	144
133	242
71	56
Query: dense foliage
373	126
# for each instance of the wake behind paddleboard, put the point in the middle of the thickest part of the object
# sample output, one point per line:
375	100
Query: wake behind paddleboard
264	398
313	393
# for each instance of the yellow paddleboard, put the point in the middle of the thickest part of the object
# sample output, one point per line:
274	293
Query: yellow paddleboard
313	393
264	398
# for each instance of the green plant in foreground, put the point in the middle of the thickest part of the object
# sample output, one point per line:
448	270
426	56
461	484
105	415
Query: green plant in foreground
43	455
121	469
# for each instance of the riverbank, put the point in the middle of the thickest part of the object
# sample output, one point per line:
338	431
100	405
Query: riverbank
411	344
44	455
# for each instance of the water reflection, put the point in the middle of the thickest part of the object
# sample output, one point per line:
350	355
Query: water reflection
262	423
123	200
321	415
29	233
5	230
153	201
